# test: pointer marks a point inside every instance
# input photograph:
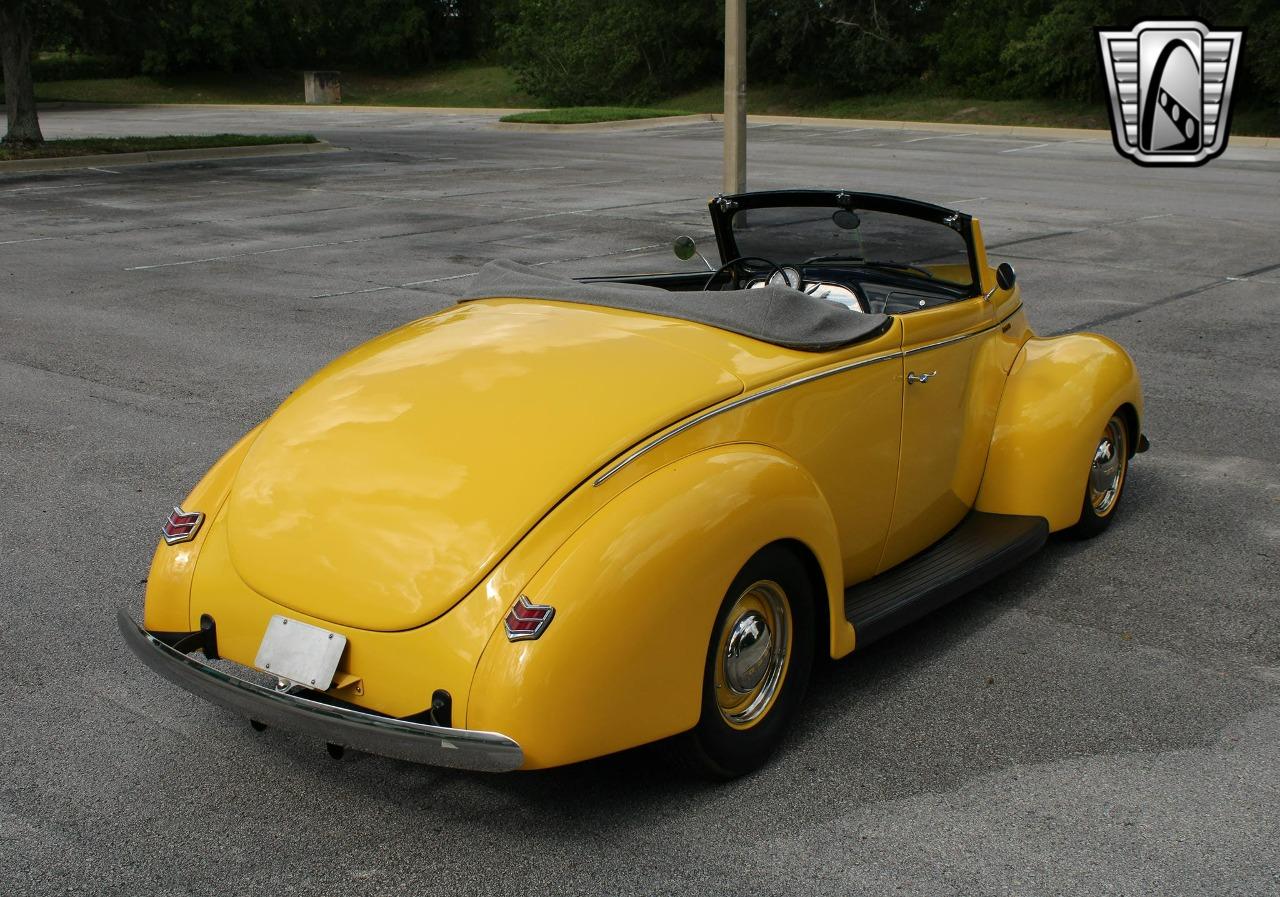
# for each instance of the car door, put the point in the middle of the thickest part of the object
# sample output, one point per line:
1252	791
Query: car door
951	388
841	423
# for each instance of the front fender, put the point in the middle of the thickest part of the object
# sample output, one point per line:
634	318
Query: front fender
636	591
1059	396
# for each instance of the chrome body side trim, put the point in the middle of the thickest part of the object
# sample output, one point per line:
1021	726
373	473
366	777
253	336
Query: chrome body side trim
371	732
948	341
738	403
964	336
772	390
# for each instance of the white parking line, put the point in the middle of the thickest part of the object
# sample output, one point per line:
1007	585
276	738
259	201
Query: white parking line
939	137
418	283
507	189
39	189
1018	149
398	286
237	255
583	258
919	139
350	292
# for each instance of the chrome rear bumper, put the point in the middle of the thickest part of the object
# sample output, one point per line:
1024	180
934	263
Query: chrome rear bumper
371	732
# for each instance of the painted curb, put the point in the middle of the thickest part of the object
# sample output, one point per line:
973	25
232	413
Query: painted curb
1034	131
64	163
1029	131
812	122
881	124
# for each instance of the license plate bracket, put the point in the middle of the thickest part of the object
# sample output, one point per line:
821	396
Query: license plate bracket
300	653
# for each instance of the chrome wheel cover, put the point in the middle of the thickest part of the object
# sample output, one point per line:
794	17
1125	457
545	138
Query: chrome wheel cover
1106	474
752	653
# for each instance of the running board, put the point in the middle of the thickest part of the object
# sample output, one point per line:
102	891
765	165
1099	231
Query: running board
981	548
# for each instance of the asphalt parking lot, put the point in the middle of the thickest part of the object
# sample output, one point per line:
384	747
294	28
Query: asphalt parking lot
1105	719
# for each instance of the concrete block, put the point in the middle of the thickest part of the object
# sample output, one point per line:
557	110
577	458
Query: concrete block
322	88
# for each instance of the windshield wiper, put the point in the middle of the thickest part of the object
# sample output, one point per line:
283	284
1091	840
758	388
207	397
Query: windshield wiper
865	263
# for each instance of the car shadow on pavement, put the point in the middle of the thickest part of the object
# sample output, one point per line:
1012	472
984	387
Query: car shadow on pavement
990	682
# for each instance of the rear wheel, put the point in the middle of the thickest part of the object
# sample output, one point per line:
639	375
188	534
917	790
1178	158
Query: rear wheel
1105	486
757	669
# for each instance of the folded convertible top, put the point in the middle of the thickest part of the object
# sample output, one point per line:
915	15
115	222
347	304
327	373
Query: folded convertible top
777	315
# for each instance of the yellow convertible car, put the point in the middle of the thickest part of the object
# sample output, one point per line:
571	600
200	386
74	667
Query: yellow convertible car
567	517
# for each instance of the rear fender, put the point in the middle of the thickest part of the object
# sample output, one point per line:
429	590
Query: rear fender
172	566
636	591
1059	396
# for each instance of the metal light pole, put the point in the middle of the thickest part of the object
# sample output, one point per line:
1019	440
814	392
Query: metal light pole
735	96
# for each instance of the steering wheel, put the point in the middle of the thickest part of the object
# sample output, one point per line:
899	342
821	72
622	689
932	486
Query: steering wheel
773	266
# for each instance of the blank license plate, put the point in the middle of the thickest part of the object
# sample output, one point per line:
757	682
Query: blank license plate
300	653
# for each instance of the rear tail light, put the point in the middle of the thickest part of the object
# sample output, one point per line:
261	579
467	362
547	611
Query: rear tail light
181	526
527	620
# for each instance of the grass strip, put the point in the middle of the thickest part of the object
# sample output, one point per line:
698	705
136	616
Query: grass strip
92	146
581	115
466	85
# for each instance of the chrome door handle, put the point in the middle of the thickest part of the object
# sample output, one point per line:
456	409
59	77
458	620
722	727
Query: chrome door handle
913	377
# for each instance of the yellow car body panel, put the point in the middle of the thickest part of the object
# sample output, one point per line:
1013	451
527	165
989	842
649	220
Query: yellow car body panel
945	425
649	570
620	467
168	602
397	671
385	488
822	418
1060	394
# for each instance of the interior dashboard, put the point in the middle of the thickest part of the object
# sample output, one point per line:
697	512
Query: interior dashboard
861	293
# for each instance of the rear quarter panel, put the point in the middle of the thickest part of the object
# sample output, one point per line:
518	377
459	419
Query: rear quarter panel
636	591
168	600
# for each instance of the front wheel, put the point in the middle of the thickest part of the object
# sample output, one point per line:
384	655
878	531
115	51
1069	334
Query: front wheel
1105	486
757	669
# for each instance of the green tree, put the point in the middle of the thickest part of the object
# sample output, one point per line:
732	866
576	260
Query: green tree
1260	63
172	36
845	46
577	52
17	42
1055	54
971	38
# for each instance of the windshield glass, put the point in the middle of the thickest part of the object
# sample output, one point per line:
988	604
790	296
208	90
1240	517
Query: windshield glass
792	235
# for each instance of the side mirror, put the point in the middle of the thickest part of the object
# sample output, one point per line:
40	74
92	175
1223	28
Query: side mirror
1006	277
846	220
685	249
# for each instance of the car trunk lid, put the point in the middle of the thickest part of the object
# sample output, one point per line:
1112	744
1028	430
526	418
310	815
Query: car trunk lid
389	484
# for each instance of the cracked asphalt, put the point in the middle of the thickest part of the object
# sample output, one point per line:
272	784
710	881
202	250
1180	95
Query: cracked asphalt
1103	720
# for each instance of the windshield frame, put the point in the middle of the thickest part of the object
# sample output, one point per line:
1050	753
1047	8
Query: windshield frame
725	206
